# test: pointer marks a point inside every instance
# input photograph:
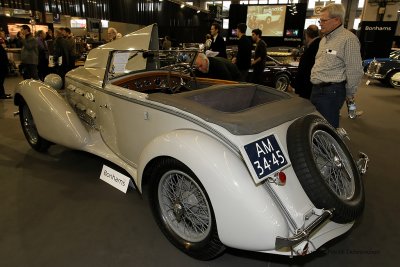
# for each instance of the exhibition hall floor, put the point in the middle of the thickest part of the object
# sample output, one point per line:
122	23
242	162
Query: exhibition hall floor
55	211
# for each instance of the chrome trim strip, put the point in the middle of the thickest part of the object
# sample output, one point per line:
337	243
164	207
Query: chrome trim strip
282	242
280	204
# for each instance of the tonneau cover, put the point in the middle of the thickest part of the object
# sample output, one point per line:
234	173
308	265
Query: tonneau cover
242	109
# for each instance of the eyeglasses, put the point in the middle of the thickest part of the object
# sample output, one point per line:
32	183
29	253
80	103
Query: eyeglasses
324	20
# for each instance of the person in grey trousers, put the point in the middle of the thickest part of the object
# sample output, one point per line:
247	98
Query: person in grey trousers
29	54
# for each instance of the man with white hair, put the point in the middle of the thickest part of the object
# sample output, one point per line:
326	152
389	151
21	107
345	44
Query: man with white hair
216	68
112	34
338	67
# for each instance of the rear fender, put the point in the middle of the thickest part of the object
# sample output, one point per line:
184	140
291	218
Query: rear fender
240	206
54	118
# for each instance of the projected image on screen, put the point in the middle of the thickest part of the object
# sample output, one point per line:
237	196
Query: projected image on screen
269	19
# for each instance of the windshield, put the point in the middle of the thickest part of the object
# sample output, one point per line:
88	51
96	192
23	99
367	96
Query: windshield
125	62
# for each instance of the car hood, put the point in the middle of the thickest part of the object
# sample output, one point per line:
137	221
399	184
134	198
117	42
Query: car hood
145	38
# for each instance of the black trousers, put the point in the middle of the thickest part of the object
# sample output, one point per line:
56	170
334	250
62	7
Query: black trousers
30	71
258	74
2	78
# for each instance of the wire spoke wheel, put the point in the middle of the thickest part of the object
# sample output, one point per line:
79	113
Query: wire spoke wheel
30	131
282	82
183	210
184	206
333	164
29	125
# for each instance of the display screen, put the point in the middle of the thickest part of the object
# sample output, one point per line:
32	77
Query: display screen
104	24
270	19
292	32
234	32
78	23
225	24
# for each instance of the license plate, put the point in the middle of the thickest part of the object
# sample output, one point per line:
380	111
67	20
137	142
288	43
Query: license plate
266	156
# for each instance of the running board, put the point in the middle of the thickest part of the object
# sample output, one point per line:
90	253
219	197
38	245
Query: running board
282	242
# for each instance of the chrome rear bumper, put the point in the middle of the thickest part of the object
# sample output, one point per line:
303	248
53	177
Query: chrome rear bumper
362	162
282	242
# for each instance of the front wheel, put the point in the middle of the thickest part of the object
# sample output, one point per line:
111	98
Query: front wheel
28	125
183	211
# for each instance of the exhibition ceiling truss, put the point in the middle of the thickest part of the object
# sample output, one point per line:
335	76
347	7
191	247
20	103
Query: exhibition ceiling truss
77	8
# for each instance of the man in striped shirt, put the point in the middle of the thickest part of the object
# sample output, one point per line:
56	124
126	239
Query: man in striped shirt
338	66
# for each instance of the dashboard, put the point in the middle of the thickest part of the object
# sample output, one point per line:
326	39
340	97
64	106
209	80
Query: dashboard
152	82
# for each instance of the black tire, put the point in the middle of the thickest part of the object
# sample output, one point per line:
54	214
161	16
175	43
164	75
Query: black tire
28	126
325	168
175	212
387	79
282	82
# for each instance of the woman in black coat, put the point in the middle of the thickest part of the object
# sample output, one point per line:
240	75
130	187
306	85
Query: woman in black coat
302	82
3	72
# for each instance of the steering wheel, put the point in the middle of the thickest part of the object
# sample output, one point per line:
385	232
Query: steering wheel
181	68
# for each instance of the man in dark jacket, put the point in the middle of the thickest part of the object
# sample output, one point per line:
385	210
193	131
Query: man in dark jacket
70	50
302	83
218	43
260	56
43	63
243	56
216	68
3	72
29	54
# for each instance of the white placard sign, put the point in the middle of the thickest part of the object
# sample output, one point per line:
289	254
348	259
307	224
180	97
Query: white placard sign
116	179
120	61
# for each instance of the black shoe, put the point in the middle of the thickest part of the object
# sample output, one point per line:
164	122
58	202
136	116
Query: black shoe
6	96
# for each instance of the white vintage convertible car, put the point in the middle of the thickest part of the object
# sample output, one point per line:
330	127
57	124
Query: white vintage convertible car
224	164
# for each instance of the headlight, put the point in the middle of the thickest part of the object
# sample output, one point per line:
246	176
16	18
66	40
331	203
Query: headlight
378	66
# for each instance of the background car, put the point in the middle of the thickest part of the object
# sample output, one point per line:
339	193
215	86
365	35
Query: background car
279	74
223	163
384	70
393	55
267	17
280	70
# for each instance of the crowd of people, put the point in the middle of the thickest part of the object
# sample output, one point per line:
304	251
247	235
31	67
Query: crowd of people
216	65
36	49
330	67
42	53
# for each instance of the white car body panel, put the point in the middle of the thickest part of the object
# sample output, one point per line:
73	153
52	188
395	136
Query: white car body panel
48	105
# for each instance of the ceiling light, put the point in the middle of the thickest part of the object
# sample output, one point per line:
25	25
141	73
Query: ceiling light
182	5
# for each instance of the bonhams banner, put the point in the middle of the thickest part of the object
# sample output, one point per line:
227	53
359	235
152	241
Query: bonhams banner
376	38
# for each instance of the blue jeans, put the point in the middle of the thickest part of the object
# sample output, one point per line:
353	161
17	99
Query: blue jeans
329	99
